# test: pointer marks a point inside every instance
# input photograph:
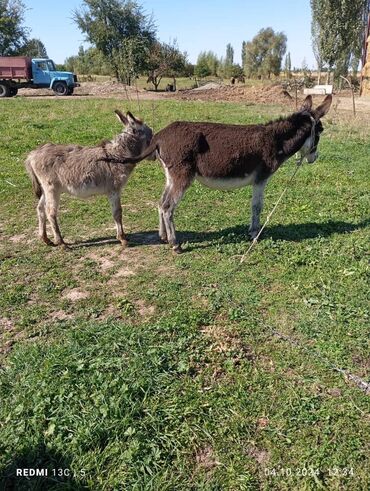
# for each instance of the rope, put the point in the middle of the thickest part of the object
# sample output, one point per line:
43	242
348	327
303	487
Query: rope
299	162
359	382
271	212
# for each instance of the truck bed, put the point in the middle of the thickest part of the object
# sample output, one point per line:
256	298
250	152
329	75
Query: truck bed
15	67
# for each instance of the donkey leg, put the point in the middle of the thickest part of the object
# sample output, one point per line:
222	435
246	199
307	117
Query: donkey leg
173	197
52	198
41	213
115	201
162	226
257	204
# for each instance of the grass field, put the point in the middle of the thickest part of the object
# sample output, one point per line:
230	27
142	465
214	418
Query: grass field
141	370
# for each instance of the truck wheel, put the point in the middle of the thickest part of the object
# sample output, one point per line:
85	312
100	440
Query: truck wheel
60	88
4	90
13	91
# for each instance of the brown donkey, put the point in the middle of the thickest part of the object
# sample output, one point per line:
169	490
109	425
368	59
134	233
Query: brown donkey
85	171
224	156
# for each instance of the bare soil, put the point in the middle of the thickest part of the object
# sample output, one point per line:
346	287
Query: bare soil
267	94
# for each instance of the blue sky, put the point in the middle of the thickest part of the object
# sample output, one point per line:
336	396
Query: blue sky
197	25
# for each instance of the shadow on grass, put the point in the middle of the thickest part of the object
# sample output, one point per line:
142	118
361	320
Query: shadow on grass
54	472
291	233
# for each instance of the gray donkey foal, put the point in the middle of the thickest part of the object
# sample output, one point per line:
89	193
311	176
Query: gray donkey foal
85	171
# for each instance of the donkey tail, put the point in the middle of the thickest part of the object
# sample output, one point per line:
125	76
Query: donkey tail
36	186
148	151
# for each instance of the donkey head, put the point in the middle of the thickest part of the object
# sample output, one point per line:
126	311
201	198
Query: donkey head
136	135
309	149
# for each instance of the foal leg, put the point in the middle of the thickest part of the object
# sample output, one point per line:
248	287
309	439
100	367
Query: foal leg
41	213
52	198
257	204
115	202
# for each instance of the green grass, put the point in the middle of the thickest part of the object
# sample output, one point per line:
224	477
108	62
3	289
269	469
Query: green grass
184	372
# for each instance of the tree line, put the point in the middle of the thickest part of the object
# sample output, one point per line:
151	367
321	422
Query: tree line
124	43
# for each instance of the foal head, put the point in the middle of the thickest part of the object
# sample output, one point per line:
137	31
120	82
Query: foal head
135	137
309	148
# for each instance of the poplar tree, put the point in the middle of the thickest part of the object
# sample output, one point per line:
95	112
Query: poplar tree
337	33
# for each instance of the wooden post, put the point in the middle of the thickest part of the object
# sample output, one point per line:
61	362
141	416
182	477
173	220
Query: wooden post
353	93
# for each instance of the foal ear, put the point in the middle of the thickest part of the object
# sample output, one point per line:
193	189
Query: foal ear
323	108
132	120
121	117
307	103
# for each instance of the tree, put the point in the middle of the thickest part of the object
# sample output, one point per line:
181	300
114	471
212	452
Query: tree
229	61
13	34
288	66
34	48
121	31
207	64
263	55
202	69
165	60
89	61
337	33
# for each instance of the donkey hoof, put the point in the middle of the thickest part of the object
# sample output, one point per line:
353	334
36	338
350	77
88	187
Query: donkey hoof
178	249
47	241
124	243
253	233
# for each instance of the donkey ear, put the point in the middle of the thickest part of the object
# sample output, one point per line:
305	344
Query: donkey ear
121	117
132	120
307	103
323	108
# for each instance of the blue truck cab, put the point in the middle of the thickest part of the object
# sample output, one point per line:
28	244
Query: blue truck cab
45	75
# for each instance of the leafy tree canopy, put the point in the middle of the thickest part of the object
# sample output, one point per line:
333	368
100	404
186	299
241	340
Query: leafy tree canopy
34	48
165	60
263	55
121	31
13	34
207	64
337	32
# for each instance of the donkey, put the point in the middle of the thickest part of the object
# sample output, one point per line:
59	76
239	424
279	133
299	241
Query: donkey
85	171
224	156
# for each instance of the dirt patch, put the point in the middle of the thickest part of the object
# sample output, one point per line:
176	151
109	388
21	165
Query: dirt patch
209	86
334	392
267	94
262	423
107	89
272	94
144	309
224	341
6	324
124	272
60	315
8	335
261	456
105	263
18	238
206	460
75	294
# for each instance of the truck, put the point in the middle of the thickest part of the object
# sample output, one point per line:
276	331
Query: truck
18	72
